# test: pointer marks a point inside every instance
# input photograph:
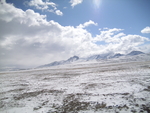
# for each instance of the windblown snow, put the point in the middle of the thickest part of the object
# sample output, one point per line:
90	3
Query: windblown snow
113	86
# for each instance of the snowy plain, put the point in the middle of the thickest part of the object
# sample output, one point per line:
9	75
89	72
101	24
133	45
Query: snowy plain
115	86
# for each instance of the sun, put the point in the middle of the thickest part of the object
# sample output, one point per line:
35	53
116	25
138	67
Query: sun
97	3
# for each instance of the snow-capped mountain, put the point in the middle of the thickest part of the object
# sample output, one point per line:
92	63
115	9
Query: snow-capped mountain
135	53
132	56
70	60
99	56
117	55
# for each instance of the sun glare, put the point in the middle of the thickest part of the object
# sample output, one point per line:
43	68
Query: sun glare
96	3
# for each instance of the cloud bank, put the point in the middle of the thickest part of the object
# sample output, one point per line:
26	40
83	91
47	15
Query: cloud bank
28	39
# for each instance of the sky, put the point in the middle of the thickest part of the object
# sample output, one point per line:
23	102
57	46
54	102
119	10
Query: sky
37	32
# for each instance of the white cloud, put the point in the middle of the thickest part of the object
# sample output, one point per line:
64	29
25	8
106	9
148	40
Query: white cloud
75	2
86	24
36	38
58	12
45	6
89	23
146	30
39	4
117	41
107	35
9	13
28	39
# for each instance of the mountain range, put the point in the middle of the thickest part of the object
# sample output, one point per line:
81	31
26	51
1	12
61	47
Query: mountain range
90	58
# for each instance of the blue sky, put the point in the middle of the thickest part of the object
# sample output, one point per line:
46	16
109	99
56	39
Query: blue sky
49	30
130	15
